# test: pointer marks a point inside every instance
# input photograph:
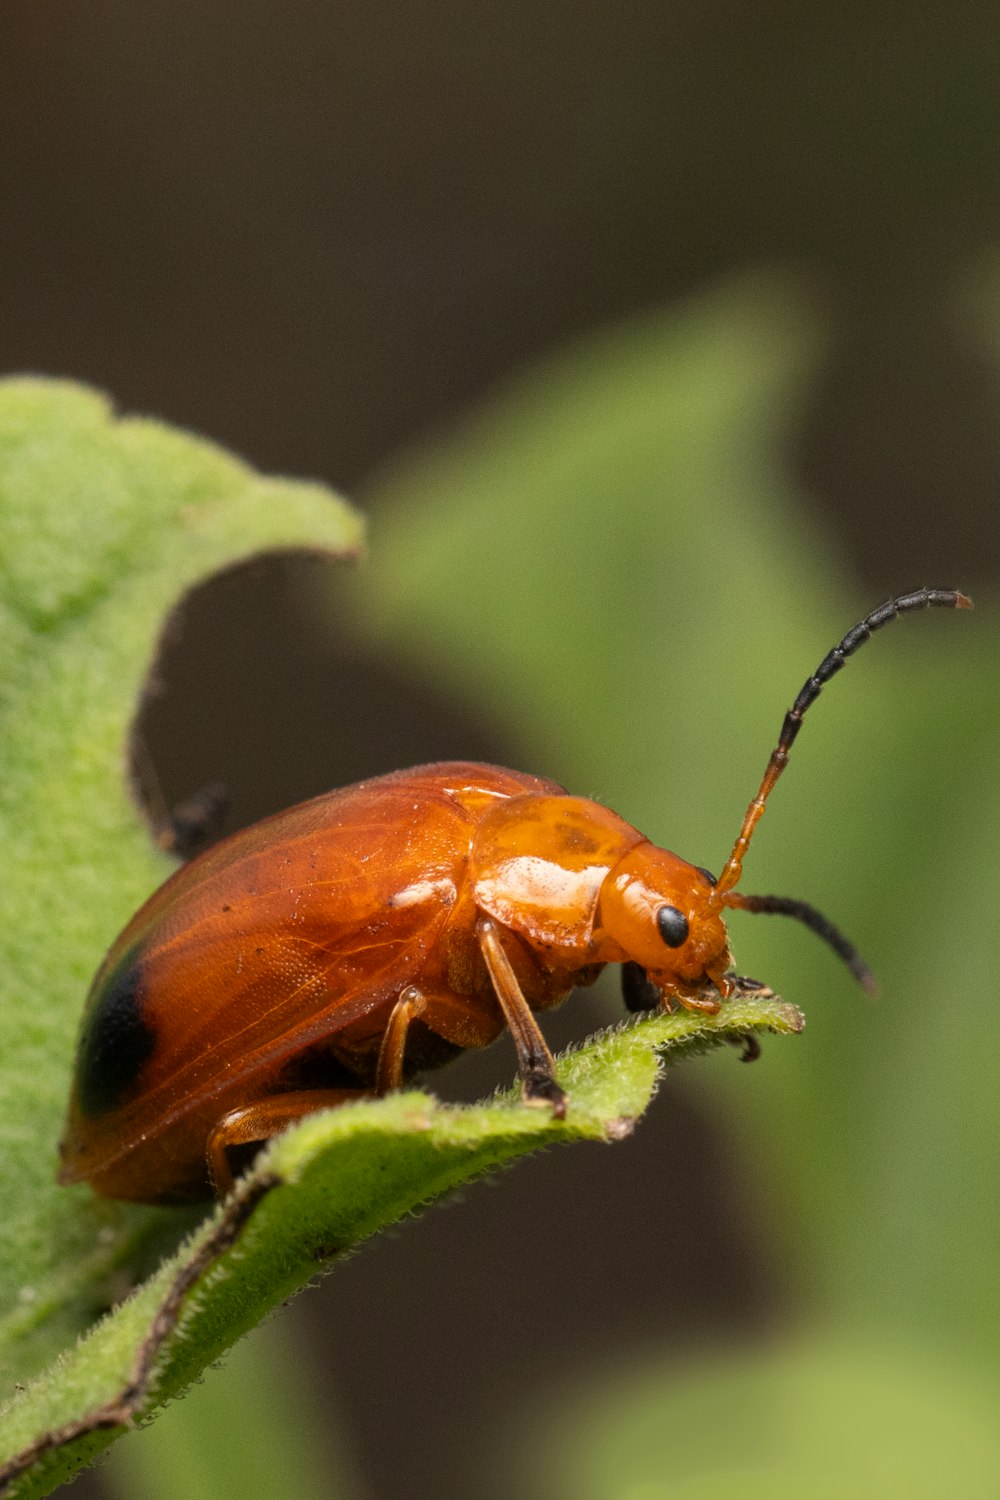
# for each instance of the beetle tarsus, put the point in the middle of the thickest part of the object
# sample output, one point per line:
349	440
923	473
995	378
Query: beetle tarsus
749	1044
706	1004
744	985
540	1089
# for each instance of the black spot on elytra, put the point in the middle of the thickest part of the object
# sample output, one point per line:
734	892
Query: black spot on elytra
115	1042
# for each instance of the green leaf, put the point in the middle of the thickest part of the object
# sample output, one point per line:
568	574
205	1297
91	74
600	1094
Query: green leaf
315	1193
826	1416
104	522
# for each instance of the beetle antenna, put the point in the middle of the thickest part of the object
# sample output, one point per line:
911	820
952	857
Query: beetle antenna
831	664
786	906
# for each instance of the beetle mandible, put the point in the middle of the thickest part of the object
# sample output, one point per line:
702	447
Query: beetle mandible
335	949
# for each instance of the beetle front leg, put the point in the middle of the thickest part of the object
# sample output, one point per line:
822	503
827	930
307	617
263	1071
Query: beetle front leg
535	1065
642	993
259	1122
706	1005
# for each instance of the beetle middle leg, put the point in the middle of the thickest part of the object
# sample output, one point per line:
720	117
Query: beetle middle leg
256	1123
389	1072
534	1060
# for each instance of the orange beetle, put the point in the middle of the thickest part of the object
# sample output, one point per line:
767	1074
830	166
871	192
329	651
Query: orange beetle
335	949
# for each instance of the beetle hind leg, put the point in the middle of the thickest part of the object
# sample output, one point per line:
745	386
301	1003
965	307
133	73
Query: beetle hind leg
254	1124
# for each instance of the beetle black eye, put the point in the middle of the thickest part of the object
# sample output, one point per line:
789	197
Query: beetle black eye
707	874
673	925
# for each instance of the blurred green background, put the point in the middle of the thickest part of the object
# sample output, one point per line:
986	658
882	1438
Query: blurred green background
659	342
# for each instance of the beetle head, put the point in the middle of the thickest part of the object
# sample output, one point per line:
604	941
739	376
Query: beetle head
656	910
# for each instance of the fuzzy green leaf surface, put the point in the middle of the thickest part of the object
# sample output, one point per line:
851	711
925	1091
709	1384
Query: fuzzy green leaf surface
104	523
328	1184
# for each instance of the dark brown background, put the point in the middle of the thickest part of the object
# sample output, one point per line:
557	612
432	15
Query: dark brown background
314	231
